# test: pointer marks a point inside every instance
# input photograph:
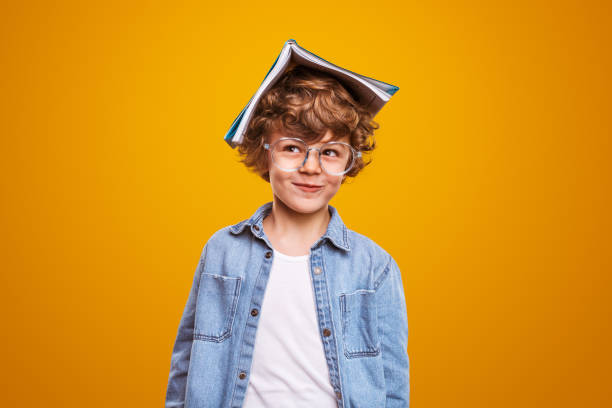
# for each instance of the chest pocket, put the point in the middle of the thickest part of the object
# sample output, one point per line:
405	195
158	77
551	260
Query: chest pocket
217	300
359	324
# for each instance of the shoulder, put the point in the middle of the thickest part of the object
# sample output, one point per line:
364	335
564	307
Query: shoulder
369	252
362	243
384	266
221	240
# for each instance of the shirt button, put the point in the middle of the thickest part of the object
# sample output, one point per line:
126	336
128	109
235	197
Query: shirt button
326	332
256	227
242	375
317	270
254	312
339	394
268	254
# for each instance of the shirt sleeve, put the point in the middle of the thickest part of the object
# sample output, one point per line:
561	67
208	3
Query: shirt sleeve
393	331
181	353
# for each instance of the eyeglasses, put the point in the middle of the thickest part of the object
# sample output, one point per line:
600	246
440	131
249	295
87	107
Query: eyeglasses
291	153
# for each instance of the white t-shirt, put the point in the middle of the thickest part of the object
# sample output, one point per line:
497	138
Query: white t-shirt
289	368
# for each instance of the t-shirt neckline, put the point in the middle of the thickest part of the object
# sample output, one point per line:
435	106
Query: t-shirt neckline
290	258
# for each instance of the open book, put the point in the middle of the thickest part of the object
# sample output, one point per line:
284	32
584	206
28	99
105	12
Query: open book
369	92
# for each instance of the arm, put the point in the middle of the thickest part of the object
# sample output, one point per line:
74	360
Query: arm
179	363
393	331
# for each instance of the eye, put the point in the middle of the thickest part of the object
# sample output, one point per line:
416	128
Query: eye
331	152
292	148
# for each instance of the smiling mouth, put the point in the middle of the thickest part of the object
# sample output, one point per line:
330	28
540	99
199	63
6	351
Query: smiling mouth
307	187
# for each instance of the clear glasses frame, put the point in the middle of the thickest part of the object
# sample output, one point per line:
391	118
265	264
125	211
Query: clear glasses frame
356	154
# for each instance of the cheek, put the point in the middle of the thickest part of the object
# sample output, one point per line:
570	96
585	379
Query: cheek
334	182
273	177
278	178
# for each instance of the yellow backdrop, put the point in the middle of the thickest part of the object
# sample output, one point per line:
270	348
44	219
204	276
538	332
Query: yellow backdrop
490	186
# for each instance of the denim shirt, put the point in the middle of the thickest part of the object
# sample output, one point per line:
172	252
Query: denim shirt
360	307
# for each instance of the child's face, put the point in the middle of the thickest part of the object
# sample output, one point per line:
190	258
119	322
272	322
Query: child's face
284	184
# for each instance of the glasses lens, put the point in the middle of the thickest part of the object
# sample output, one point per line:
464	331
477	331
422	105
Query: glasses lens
289	154
336	157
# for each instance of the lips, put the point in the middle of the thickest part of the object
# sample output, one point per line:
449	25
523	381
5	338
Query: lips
308	187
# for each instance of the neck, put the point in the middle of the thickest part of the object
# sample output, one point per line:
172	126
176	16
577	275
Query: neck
288	228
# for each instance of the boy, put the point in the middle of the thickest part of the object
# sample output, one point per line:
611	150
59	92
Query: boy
290	308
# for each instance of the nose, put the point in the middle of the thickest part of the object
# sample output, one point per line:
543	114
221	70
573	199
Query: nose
312	163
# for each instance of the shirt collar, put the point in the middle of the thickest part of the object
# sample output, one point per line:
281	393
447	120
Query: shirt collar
336	232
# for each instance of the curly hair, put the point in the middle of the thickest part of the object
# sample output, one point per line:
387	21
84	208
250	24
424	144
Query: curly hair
306	103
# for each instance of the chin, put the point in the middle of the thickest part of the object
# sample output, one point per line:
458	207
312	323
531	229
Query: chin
305	205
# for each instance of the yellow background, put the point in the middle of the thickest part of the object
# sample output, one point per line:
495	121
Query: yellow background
490	186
